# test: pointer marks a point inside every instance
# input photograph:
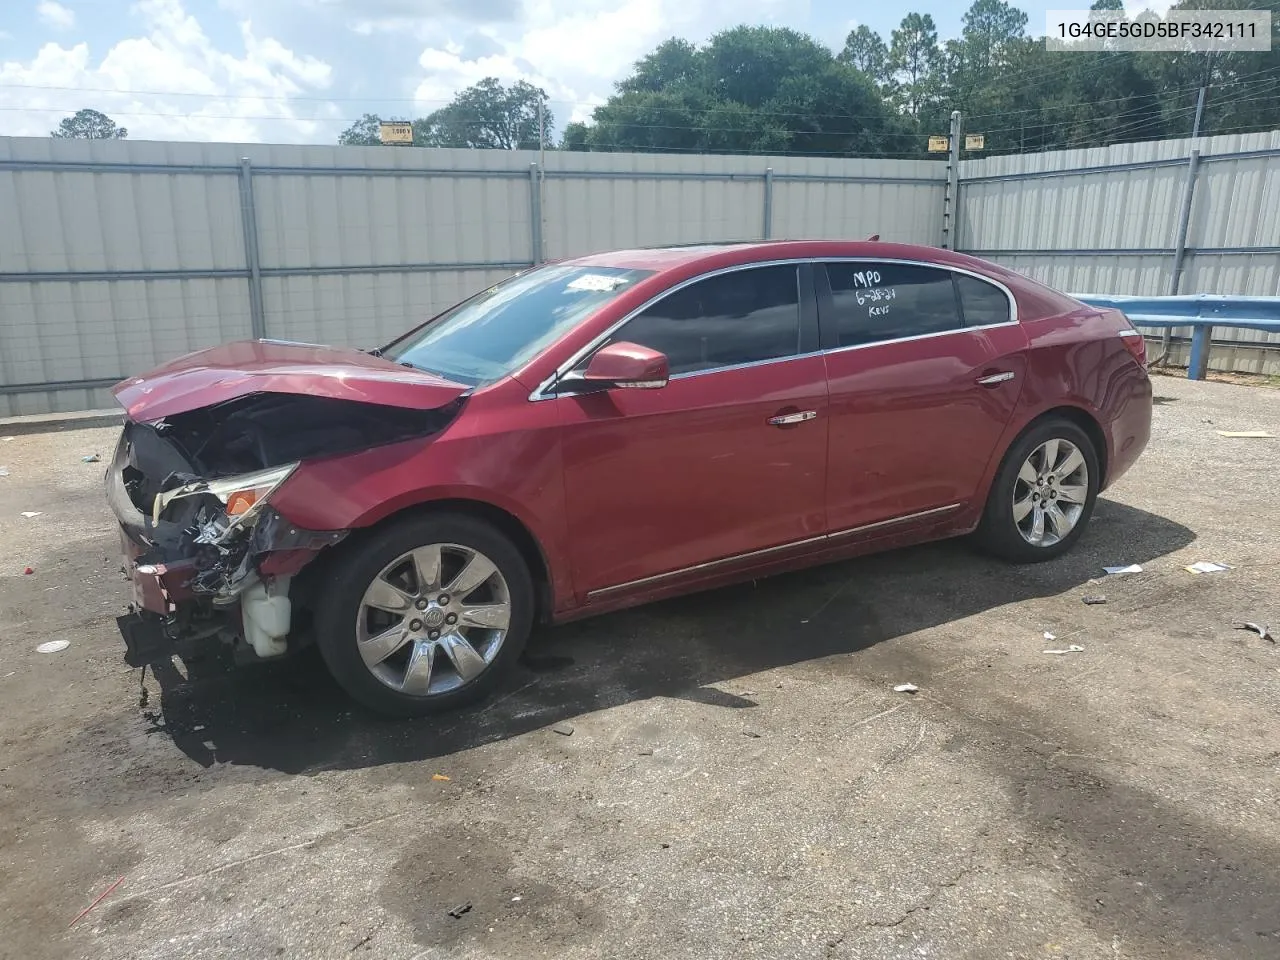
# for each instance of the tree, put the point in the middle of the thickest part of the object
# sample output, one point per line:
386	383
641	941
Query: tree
866	53
89	125
489	116
914	60
672	63
363	133
575	136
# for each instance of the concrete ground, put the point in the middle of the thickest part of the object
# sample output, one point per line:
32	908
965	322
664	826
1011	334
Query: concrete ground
740	781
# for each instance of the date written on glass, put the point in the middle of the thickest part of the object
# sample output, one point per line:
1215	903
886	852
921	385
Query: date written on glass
876	300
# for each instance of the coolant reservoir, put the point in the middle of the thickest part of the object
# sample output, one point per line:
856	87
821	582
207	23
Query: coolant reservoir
266	613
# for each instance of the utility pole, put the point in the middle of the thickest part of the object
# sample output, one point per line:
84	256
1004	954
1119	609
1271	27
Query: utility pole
1195	127
950	199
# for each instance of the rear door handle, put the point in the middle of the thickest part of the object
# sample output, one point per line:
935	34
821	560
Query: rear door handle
786	419
993	379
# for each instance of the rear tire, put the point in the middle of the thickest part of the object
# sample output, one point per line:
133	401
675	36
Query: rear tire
426	615
1043	494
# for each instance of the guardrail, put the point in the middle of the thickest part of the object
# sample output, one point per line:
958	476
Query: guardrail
1202	312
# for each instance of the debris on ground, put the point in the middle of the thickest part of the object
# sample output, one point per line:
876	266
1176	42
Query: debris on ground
564	729
102	896
1263	631
1131	568
27	572
1206	566
5	439
460	909
517	898
646	752
1245	434
53	646
91	458
905	688
1093	600
1050	636
1074	648
31	513
4	471
753	734
440	777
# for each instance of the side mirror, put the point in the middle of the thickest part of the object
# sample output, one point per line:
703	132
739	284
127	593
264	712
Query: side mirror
627	365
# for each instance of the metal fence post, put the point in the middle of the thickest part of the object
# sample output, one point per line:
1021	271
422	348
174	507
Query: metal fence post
1180	243
535	213
951	199
768	202
249	220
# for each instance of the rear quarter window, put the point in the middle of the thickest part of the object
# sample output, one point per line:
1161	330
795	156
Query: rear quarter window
983	303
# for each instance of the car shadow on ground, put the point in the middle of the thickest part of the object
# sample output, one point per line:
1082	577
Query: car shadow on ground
292	717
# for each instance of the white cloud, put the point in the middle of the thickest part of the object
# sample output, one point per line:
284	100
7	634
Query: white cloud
208	94
55	15
576	51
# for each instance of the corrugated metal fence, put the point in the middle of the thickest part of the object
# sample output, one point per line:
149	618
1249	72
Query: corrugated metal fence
115	256
1141	219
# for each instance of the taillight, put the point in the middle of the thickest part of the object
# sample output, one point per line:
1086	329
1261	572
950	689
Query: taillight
1136	344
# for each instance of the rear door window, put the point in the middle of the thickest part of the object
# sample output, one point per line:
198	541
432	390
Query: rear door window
744	316
872	302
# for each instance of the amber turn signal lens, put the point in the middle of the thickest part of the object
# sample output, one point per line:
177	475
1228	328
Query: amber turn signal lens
240	502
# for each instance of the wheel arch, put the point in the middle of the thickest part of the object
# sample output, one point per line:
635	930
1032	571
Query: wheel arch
1078	415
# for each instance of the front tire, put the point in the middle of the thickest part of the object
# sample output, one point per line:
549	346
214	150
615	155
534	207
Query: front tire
426	615
1043	495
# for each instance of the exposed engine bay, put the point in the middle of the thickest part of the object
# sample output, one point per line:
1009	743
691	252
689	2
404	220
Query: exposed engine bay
192	494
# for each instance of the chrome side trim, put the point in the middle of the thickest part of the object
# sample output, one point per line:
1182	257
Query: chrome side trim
541	394
890	522
738	558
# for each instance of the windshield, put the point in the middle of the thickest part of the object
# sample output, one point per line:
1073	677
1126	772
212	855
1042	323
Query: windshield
483	339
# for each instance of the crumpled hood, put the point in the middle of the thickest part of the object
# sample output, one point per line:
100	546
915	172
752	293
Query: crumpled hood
209	377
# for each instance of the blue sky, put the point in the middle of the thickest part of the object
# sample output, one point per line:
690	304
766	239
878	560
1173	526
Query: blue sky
301	70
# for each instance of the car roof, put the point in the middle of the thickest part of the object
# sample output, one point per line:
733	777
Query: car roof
714	255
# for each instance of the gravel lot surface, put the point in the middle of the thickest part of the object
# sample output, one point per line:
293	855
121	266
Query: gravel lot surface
740	779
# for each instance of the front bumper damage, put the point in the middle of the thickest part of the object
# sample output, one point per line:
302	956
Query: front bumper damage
196	574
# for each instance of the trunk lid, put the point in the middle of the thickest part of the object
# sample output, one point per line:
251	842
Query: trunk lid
213	376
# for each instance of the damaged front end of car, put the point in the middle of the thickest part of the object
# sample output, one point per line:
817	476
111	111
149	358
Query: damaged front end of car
207	555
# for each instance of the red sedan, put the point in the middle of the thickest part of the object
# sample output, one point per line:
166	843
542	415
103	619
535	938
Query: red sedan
603	432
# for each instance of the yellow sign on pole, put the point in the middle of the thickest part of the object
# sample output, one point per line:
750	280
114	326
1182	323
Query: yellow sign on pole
395	131
975	141
939	144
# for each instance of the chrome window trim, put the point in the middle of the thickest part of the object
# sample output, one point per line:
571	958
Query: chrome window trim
540	392
751	554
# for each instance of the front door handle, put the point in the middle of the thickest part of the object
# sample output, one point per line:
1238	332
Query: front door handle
993	379
787	419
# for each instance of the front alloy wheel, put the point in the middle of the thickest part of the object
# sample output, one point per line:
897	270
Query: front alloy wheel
433	619
425	614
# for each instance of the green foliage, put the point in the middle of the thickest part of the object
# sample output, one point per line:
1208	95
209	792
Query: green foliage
89	125
755	89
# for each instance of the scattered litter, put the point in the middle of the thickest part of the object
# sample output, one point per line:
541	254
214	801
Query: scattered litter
905	688
753	734
1262	631
666	846
31	513
90	458
53	646
1245	434
564	729
646	752
1049	636
102	896
1206	566
1131	568
440	776
1094	601
460	909
27	572
1074	648
4	471
8	675
516	899
5	439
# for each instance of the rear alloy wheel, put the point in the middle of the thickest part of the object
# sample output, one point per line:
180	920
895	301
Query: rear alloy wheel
428	616
1043	495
